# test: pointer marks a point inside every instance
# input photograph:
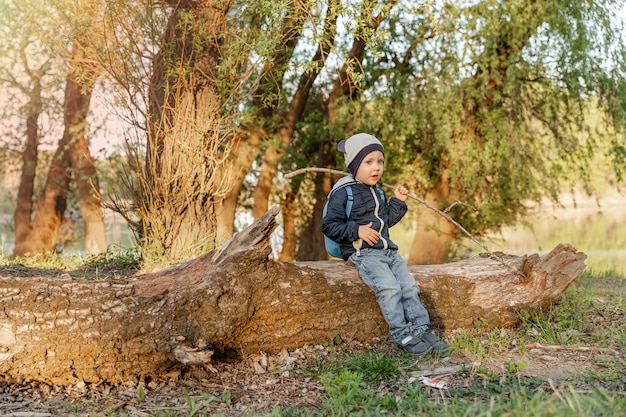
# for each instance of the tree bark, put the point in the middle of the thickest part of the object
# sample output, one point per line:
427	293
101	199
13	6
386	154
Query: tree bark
311	240
432	239
434	235
290	238
88	187
62	330
242	154
24	203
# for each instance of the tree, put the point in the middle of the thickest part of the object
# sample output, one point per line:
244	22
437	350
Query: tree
479	102
486	103
187	169
37	227
33	95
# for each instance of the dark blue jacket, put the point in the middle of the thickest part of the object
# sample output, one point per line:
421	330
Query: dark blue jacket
370	205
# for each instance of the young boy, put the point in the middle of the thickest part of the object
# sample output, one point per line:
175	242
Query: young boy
364	240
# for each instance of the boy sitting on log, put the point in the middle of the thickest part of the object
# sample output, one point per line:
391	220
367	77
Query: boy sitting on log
362	232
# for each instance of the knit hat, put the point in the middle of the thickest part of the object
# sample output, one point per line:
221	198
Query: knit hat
356	148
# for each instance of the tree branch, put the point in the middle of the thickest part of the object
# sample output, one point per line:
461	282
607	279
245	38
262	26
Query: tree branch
414	197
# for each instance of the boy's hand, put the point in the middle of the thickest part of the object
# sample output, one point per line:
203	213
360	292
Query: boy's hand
400	192
368	234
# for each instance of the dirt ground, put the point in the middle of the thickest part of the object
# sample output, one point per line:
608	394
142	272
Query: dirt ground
257	384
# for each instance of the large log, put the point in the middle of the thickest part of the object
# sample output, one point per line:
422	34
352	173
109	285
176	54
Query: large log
62	330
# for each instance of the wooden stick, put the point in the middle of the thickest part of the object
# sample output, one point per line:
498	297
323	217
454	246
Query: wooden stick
414	197
445	370
570	348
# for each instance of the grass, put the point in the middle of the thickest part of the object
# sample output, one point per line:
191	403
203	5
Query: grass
587	314
115	263
351	393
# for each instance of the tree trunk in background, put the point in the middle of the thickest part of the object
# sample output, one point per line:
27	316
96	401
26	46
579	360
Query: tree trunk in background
88	188
311	242
25	192
432	239
43	234
62	330
434	235
242	155
290	238
264	181
83	168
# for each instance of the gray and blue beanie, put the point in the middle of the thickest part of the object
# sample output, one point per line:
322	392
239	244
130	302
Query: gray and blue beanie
356	148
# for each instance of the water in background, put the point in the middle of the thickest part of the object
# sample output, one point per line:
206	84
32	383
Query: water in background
595	227
119	236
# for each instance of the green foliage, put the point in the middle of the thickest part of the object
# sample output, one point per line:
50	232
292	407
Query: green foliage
374	366
495	109
589	274
195	407
348	394
141	394
345	388
554	326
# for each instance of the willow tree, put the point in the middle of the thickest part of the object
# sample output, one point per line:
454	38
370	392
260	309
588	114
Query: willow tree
161	60
212	108
514	127
488	103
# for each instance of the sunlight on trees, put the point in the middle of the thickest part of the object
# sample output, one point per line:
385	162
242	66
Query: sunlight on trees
483	102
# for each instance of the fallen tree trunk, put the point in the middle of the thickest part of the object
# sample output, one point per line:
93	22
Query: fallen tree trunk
62	330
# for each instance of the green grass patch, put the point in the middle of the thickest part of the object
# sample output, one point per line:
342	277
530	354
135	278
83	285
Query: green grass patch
115	263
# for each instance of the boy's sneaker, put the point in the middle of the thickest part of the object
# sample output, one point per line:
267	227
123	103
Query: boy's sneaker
438	345
413	343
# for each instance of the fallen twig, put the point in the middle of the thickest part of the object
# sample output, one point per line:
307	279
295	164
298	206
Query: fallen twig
444	370
414	197
113	409
571	348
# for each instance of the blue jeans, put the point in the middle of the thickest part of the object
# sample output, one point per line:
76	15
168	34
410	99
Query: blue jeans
397	293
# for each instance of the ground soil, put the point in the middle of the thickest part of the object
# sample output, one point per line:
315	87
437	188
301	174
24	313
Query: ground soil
257	384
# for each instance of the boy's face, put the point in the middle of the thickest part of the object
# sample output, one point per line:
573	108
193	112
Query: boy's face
371	168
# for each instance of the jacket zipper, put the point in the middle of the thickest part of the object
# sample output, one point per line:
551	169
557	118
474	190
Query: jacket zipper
382	223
